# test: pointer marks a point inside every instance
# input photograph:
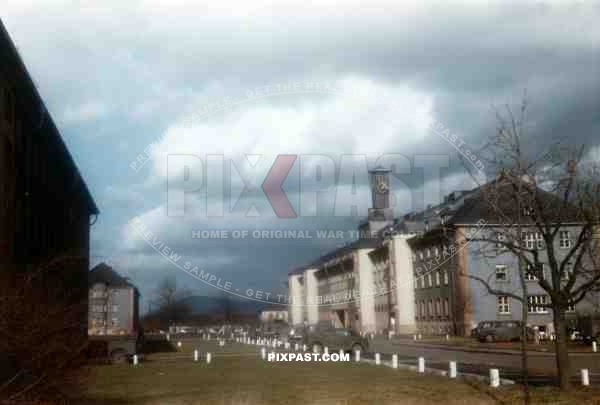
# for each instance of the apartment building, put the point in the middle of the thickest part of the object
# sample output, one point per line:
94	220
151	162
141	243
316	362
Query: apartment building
113	303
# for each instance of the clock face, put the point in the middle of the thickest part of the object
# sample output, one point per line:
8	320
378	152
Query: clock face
382	187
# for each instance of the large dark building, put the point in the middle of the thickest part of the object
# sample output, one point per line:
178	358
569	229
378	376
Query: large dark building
47	208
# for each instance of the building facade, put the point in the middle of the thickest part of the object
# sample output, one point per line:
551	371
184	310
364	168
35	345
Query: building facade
422	272
113	304
48	210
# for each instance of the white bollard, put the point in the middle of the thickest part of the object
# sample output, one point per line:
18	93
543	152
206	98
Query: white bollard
377	359
195	355
135	359
452	371
325	350
357	356
585	377
394	361
208	358
263	353
494	377
594	347
421	368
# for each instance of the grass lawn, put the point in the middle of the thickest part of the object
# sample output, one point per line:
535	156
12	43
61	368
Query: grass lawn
238	376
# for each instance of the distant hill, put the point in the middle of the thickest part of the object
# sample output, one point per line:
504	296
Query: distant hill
203	305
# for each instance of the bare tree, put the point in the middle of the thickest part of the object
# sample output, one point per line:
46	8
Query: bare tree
544	209
171	301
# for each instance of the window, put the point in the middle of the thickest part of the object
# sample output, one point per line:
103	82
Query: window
444	219
436	252
503	304
430	308
446	307
428	252
570	308
535	304
438	309
530	240
539	240
437	278
414	256
429	281
567	270
527	211
534	275
445	277
501	272
115	322
427	226
421	254
115	308
564	239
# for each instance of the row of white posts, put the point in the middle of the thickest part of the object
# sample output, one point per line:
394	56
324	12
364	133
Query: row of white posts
452	373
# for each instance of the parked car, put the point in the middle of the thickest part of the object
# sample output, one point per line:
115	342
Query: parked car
499	331
318	337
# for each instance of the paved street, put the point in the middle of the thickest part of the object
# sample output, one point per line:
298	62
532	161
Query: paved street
541	365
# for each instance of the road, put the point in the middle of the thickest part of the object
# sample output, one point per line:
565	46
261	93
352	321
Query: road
542	366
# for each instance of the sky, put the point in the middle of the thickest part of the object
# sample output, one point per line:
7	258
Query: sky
373	78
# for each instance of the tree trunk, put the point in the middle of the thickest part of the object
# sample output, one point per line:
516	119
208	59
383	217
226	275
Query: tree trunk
561	348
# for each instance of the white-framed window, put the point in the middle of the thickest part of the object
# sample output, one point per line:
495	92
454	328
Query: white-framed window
437	278
438	307
567	271
501	272
539	240
535	304
445	276
427	226
430	308
530	240
446	307
436	251
503	304
531	275
429	280
564	239
421	254
428	252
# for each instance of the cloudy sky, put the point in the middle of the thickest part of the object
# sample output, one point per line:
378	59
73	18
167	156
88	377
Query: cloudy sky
117	75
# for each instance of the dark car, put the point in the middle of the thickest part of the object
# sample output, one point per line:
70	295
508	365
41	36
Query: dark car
500	331
336	339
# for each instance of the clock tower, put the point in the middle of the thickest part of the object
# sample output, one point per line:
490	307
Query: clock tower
381	214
